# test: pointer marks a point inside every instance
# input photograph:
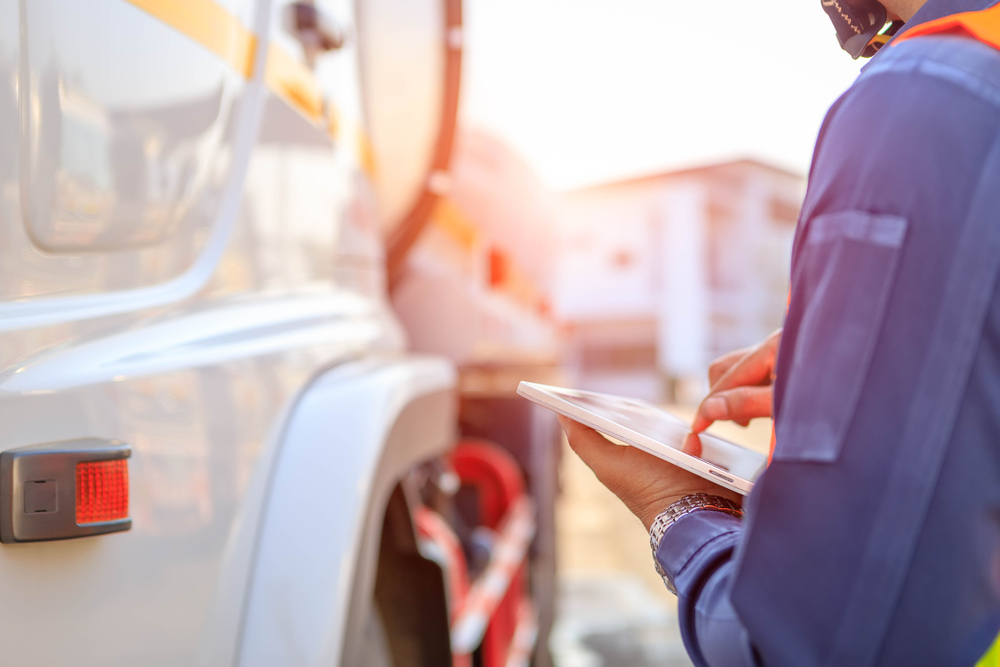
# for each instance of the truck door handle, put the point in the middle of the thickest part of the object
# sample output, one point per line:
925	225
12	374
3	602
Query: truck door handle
316	30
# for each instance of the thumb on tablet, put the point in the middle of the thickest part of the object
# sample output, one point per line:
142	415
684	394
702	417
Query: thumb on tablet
739	405
692	445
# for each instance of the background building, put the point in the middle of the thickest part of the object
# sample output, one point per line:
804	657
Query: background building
658	275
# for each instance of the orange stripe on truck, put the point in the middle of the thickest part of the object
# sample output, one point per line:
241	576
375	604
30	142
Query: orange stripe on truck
208	24
213	27
295	83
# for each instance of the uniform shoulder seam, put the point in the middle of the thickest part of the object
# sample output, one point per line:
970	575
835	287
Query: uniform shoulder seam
963	62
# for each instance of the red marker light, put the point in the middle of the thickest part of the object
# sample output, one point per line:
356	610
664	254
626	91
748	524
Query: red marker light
101	491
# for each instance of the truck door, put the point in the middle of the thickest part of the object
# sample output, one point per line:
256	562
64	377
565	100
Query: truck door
126	112
177	260
123	125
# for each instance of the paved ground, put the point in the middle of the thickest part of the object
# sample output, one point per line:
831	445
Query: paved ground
613	610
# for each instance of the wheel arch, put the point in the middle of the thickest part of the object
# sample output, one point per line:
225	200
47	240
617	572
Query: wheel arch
353	435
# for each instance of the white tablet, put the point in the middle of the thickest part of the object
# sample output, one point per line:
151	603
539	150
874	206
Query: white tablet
653	430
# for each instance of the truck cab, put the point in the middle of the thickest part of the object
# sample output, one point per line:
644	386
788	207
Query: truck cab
202	207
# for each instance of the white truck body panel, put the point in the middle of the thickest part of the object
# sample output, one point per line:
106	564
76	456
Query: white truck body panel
187	262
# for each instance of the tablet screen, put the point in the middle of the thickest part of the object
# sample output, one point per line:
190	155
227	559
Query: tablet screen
638	416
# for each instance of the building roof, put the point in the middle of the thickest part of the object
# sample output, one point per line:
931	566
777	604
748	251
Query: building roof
747	164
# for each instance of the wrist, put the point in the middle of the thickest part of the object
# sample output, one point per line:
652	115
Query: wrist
689	504
653	509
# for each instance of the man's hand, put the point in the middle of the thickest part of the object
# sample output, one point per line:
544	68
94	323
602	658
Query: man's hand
741	386
643	482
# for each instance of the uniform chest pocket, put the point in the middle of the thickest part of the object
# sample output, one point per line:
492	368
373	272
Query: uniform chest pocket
846	269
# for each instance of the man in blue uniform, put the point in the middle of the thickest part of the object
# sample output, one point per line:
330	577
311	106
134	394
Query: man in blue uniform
873	538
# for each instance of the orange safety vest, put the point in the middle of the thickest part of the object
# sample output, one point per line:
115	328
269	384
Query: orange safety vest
982	26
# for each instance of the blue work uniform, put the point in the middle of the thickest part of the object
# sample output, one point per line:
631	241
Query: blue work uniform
873	538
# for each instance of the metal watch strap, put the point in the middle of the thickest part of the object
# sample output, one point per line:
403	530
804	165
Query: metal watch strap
686	505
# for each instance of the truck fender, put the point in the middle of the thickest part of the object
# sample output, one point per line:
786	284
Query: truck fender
352	436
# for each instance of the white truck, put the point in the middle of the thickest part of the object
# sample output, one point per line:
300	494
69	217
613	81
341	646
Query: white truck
215	448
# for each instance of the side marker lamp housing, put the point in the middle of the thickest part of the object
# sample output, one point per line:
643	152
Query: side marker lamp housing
63	490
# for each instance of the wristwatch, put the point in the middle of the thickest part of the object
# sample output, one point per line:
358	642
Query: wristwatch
686	505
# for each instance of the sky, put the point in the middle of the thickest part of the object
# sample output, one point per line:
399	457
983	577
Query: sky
589	91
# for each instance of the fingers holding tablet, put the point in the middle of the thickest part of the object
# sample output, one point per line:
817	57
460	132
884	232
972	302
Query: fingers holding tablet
644	483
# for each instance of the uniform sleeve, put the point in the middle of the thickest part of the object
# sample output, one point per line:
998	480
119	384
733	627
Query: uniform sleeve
696	553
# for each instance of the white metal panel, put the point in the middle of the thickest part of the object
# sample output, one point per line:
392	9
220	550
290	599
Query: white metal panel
199	398
35	284
248	329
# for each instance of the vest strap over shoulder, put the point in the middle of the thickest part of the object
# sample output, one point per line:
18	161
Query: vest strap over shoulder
982	26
